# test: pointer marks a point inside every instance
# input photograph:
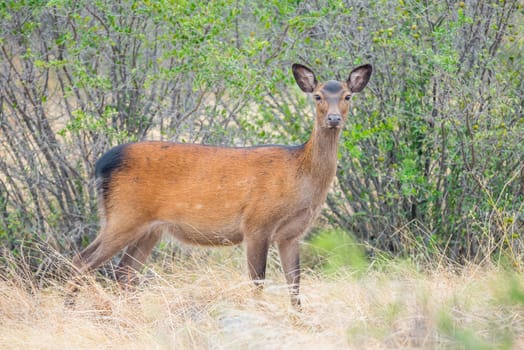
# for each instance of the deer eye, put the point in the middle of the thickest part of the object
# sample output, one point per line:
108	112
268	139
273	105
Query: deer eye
347	98
317	98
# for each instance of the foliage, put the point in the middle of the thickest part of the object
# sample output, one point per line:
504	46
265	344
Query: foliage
338	251
432	154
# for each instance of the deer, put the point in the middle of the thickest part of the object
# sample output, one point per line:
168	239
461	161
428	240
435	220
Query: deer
222	196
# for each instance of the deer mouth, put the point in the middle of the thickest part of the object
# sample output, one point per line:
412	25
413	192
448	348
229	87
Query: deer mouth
333	125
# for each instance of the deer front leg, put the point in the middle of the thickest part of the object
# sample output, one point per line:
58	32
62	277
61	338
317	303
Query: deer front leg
289	256
256	251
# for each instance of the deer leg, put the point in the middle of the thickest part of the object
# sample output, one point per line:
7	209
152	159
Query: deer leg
78	262
80	259
289	256
135	257
256	251
106	244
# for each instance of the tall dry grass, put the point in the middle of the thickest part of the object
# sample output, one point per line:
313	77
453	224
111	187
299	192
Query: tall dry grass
203	299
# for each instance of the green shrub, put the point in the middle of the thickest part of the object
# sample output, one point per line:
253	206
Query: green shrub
337	251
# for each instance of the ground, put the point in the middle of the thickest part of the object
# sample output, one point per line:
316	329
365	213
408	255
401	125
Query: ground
205	301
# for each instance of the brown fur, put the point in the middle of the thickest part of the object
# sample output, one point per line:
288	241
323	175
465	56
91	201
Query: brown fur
224	196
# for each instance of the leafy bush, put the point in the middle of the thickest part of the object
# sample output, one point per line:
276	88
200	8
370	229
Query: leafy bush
431	158
337	250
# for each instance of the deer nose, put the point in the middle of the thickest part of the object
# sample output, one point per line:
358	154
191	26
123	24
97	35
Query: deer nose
333	120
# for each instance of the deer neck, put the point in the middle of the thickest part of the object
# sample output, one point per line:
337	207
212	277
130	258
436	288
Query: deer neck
319	158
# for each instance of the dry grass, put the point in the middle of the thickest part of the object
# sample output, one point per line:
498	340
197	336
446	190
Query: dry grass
206	301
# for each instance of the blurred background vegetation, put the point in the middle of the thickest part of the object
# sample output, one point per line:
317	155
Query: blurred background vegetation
430	164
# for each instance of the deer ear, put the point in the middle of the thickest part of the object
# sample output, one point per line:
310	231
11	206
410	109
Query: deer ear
304	77
359	77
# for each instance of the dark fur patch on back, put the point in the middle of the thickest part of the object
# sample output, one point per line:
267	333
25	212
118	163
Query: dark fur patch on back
332	86
105	166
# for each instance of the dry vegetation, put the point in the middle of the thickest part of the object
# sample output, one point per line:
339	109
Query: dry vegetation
202	299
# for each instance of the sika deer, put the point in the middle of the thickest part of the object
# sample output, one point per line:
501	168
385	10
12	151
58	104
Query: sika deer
218	196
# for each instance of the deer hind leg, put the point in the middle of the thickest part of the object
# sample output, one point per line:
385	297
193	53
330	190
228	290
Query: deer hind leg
108	242
135	256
